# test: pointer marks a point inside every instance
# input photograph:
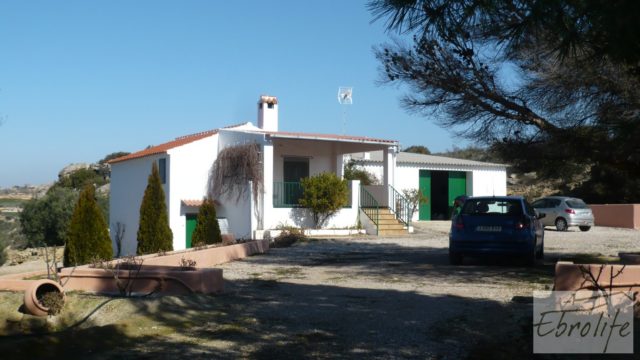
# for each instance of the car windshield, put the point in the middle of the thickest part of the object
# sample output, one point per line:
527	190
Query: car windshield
509	207
576	204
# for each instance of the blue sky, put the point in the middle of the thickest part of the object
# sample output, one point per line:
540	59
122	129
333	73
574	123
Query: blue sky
82	79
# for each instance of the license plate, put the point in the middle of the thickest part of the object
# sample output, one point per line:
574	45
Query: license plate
489	228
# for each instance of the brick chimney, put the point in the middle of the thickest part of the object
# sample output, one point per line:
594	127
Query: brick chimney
268	113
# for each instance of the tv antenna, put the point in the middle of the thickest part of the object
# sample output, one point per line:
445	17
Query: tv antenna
345	97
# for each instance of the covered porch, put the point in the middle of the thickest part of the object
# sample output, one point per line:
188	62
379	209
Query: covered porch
290	157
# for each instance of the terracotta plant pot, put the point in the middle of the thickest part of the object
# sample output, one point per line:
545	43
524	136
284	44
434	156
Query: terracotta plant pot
32	304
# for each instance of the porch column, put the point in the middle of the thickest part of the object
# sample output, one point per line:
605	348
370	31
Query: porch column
340	166
389	166
267	175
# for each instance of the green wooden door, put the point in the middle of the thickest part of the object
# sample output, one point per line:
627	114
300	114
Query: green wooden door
424	211
192	219
457	186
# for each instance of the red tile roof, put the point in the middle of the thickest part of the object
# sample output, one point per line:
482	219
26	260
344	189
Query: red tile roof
183	140
162	148
179	141
196	203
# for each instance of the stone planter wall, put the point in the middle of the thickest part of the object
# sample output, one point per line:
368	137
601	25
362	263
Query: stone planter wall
159	271
150	279
612	277
209	256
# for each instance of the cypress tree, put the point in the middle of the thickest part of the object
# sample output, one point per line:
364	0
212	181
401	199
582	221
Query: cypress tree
87	238
154	233
207	229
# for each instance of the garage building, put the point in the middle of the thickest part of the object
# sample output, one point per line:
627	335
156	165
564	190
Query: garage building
440	178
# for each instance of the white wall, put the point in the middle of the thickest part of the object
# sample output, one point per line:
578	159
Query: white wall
128	182
241	214
322	157
238	215
189	174
480	182
301	217
489	182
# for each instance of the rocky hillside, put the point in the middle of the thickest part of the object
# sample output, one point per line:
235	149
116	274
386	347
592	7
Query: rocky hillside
529	186
13	199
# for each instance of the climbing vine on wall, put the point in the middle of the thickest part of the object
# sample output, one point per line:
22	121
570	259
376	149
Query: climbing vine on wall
232	171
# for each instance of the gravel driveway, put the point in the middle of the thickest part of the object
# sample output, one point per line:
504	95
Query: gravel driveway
366	297
388	297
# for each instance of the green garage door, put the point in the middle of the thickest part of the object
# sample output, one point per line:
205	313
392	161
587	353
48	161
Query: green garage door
192	219
457	186
424	211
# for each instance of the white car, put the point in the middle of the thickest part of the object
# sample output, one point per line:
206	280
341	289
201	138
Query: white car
564	211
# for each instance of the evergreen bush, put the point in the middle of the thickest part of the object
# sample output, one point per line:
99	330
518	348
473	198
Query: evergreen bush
324	194
87	235
154	233
207	229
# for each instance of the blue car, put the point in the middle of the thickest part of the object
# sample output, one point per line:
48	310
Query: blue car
496	225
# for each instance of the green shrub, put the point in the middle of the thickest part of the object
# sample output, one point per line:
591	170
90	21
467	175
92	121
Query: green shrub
154	233
46	220
78	179
207	229
88	237
418	149
324	194
415	198
112	156
288	236
353	172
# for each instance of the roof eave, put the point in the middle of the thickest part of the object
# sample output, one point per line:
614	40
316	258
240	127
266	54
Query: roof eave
319	138
122	159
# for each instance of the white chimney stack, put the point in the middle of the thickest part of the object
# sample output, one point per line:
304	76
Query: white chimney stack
268	113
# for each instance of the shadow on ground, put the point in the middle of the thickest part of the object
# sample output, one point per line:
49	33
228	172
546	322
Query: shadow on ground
271	320
274	319
422	263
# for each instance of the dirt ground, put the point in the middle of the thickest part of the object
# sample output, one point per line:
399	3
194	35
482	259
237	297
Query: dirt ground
29	260
365	297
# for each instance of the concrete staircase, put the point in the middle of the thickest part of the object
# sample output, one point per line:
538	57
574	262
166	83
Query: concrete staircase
389	225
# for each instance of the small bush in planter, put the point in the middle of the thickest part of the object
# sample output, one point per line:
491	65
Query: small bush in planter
207	229
187	264
52	300
289	235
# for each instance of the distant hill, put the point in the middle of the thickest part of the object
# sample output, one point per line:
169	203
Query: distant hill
24	192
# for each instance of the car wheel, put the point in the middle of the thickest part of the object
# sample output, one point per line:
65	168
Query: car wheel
561	224
585	228
531	258
455	258
540	254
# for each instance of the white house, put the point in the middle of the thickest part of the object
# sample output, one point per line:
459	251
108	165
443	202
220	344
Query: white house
440	179
286	157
